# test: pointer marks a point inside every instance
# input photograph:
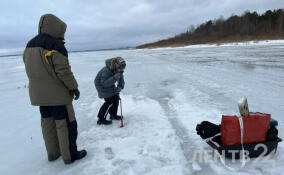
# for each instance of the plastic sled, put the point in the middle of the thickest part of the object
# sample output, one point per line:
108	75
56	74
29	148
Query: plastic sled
254	149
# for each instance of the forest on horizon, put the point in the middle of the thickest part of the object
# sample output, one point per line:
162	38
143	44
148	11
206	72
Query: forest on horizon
249	26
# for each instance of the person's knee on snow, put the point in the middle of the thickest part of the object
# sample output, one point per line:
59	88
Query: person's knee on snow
109	82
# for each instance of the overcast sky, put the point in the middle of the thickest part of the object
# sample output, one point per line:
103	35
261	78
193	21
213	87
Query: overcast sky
98	24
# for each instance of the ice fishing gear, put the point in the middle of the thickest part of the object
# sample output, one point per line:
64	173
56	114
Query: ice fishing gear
121	119
255	128
253	132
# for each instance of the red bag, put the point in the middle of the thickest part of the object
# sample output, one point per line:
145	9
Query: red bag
255	129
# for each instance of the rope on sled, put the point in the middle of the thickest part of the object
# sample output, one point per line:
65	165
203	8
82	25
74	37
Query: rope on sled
243	151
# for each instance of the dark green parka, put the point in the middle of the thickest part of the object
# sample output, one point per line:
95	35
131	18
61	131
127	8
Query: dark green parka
47	65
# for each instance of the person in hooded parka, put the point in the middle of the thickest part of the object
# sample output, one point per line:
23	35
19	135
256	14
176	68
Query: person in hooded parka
52	87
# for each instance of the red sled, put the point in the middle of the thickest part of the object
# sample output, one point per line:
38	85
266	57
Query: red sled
255	128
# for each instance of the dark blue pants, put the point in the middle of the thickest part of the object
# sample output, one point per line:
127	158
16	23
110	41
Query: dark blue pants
110	106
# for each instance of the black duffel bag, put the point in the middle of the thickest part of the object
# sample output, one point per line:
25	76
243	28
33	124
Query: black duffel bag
207	129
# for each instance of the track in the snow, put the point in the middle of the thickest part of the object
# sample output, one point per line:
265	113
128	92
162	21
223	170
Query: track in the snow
186	144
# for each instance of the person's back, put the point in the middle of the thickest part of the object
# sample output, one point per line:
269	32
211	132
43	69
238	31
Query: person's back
47	66
105	87
52	86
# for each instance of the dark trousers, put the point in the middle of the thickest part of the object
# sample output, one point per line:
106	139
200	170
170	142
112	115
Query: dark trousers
110	106
59	129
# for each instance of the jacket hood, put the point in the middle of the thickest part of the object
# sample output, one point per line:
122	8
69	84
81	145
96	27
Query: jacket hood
108	62
52	25
114	63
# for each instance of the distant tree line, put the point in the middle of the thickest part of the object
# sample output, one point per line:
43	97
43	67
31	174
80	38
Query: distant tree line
249	26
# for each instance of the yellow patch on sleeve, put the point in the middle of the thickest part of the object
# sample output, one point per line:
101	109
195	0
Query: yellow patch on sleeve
47	54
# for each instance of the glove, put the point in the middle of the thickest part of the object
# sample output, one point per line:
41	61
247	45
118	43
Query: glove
75	93
117	76
118	89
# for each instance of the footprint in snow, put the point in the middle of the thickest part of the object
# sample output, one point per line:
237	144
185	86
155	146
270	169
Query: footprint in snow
109	155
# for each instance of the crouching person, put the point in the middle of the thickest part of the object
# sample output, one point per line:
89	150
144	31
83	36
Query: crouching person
52	86
105	83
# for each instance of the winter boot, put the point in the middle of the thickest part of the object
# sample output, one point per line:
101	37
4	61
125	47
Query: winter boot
104	122
115	117
80	154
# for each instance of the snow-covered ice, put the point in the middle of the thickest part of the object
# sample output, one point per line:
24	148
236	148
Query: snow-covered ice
168	91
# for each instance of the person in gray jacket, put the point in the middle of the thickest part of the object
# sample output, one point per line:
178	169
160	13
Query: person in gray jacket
105	83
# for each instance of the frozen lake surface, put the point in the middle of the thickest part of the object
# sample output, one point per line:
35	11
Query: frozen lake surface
167	92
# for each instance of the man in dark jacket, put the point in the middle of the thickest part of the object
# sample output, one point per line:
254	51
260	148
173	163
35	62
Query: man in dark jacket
52	86
105	82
